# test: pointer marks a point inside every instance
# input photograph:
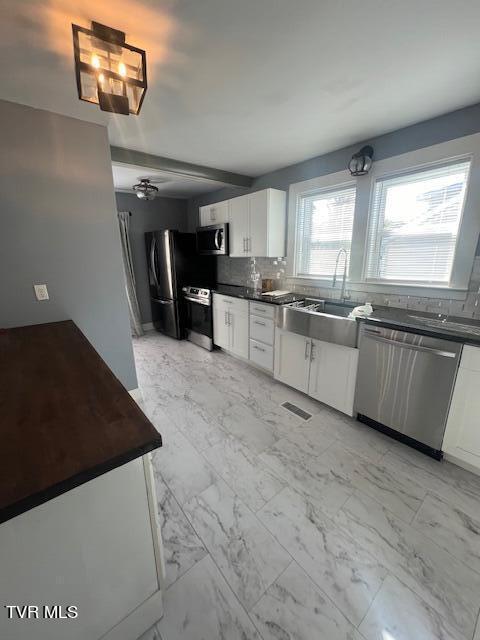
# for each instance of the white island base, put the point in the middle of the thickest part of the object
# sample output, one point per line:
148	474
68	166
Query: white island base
97	548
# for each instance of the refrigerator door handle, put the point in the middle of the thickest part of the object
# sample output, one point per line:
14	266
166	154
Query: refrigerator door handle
152	260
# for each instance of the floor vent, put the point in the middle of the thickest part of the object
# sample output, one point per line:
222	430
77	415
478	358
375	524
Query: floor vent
296	410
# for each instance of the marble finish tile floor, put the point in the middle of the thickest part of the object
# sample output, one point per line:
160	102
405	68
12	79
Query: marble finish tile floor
280	529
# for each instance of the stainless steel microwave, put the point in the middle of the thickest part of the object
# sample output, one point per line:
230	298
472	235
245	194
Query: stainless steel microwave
213	240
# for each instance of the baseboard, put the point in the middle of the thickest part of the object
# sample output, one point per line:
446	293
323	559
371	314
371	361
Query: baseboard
136	395
148	326
139	621
462	463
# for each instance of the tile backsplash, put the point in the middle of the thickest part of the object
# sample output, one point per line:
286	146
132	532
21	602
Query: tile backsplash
238	271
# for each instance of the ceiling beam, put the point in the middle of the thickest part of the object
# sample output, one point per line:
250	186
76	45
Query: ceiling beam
177	167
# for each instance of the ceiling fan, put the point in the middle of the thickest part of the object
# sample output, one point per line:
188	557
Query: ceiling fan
145	189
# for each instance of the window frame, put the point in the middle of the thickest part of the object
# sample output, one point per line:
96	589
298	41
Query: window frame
298	241
405	173
330	182
459	149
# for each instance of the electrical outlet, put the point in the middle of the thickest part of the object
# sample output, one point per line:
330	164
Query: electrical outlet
41	291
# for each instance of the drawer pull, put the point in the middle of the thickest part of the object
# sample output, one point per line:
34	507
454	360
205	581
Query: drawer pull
260	309
255	346
262	324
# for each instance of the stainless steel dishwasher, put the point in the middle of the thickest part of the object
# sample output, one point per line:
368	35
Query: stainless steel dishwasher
404	385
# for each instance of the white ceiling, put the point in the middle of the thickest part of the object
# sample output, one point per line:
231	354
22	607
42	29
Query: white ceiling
169	185
249	85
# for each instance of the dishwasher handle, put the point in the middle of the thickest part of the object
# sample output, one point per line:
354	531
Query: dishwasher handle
373	335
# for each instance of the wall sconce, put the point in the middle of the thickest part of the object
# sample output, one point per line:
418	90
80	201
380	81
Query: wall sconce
361	162
110	72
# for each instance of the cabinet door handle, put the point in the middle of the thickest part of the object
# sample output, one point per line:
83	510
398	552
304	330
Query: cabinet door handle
249	244
225	318
312	352
244	245
260	323
229	318
307	351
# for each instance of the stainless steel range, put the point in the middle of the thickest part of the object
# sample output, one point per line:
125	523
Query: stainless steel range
199	316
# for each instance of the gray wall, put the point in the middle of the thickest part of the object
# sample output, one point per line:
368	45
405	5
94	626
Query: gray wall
447	127
59	227
161	213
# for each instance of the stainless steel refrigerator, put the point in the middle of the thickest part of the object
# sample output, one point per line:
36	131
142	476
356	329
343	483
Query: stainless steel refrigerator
173	262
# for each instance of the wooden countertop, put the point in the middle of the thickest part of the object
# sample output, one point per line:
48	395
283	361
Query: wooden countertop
64	417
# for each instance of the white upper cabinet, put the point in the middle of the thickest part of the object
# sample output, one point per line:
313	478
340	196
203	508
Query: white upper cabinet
462	435
258	203
214	213
257	223
268	219
239	226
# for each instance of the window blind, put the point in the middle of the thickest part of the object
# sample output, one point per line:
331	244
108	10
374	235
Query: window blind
413	225
324	226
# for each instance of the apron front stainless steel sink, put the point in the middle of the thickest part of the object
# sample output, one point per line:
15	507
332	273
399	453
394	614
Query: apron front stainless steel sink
319	319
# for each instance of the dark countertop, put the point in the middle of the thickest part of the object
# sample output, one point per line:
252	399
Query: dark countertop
64	417
392	317
250	294
402	319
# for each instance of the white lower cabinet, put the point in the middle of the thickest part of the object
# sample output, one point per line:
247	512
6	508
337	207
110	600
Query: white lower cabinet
221	329
325	371
262	334
333	373
97	547
239	333
462	435
292	359
261	354
230	324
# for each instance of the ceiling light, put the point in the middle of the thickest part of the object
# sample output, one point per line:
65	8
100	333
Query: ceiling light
361	162
145	190
110	72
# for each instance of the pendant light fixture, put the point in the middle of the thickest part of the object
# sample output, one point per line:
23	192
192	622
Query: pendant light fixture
145	190
110	72
362	161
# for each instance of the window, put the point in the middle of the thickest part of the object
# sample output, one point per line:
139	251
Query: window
410	227
324	226
413	225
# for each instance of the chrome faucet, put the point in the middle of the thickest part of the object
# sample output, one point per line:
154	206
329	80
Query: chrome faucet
343	296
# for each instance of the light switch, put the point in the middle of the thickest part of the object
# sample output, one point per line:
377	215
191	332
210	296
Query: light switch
41	291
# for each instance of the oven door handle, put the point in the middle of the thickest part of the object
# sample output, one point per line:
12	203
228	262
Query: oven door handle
205	303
